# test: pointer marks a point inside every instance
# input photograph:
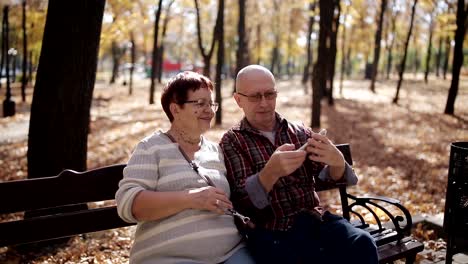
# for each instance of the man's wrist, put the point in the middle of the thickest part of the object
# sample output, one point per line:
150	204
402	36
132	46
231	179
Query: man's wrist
337	172
267	180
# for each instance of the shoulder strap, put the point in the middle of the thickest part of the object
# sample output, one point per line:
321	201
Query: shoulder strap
192	164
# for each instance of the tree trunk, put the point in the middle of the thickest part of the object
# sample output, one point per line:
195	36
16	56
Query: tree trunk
332	52
309	58
154	58
9	108
320	71
242	52
429	49
30	69
348	60
403	60
457	57
259	43
275	64
343	49
289	60
378	39
219	33
4	47
242	44
60	110
439	56
116	56
24	79
275	52
416	56
163	37
447	56
206	55
160	60
392	43
133	60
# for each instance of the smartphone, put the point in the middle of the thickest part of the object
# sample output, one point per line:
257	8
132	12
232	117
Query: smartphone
322	132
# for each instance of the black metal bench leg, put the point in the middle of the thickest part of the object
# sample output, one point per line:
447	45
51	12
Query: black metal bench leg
410	259
449	254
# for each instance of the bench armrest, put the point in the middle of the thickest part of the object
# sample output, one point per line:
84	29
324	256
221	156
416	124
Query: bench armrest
402	222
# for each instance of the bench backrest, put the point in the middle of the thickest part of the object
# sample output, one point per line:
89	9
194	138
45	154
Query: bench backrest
56	206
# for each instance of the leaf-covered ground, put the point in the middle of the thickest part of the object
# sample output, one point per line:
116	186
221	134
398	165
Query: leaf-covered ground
400	151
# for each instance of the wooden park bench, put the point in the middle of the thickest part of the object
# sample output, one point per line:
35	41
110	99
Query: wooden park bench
59	195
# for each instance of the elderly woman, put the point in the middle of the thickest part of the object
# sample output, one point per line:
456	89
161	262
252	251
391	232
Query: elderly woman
175	188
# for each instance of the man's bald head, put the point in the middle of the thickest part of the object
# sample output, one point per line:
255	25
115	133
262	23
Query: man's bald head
252	73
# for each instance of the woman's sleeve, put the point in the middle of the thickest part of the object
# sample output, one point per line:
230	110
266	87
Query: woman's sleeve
141	173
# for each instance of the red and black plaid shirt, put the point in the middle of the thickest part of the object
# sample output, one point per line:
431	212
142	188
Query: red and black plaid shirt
246	152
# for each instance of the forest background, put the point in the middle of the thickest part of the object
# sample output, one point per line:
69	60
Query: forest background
387	76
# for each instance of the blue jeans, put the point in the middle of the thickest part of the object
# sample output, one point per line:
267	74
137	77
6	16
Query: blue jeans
332	240
241	256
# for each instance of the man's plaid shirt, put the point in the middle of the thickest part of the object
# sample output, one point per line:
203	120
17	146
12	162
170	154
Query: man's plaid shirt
246	152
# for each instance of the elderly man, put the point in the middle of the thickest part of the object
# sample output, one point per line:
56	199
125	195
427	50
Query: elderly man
272	181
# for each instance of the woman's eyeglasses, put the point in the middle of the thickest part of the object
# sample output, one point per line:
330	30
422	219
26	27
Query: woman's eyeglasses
201	104
258	97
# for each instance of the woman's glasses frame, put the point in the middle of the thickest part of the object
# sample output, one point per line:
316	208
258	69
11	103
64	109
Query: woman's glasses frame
201	104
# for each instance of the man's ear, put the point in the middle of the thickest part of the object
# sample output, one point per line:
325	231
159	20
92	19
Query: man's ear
237	98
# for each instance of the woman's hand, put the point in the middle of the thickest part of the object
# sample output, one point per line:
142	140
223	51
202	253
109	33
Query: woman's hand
209	198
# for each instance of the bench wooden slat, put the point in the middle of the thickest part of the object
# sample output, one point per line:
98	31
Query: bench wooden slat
384	238
60	225
399	249
69	187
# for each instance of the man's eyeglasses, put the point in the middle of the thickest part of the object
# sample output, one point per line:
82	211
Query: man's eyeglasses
258	97
201	103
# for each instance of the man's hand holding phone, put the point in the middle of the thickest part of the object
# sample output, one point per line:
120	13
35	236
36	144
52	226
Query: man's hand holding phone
322	132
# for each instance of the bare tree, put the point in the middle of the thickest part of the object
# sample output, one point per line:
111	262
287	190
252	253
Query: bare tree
163	37
9	106
393	35
206	55
332	51
219	33
242	57
132	60
405	51
117	54
320	74
275	52
439	56
343	48
378	39
462	12
24	79
429	46
309	58
448	49
154	59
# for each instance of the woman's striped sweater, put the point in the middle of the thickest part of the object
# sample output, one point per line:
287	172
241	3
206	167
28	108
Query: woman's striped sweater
190	235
